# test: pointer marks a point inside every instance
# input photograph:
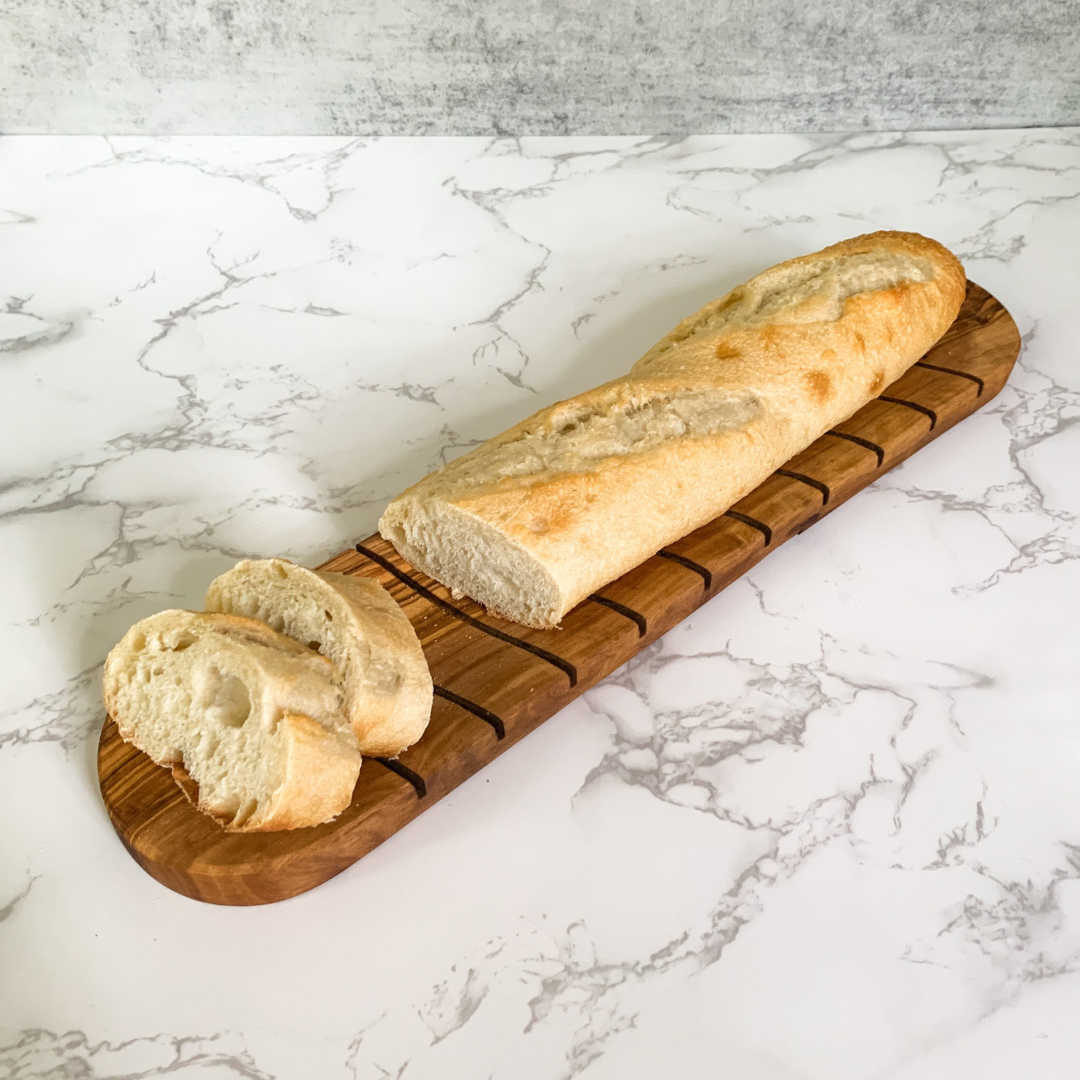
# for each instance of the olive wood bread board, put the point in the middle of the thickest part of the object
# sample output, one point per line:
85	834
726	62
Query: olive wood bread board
496	681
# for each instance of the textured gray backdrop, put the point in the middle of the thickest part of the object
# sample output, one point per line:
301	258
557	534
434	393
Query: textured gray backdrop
535	66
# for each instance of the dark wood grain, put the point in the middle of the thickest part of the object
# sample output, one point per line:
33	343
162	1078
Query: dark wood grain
497	681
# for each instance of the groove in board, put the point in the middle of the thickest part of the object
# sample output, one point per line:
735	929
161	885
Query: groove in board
489	718
638	619
873	447
817	485
924	409
695	567
952	371
497	681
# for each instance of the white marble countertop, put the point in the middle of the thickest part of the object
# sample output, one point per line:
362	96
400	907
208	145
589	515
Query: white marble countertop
828	828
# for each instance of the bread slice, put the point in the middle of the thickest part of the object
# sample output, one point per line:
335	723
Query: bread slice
249	720
354	622
534	520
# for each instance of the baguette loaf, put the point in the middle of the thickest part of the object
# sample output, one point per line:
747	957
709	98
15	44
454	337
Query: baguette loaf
534	520
356	624
248	720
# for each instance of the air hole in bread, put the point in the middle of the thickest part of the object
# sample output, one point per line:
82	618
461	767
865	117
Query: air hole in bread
329	617
138	643
315	646
184	641
228	702
277	622
280	571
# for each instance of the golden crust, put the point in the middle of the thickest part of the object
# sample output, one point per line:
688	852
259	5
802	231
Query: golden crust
320	775
795	363
390	705
318	784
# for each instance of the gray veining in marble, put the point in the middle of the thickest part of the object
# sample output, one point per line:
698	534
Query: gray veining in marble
535	67
825	829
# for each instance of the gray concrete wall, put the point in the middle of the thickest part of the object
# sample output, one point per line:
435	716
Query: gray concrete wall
535	66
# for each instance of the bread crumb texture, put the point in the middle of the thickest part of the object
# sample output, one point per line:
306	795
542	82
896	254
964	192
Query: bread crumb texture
353	622
250	719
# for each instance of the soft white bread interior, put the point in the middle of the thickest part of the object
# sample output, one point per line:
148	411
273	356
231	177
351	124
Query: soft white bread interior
356	624
248	719
534	520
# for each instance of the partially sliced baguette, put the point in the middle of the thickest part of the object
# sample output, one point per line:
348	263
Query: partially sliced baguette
248	720
355	623
534	520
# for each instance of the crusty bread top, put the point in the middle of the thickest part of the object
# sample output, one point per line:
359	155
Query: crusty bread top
842	282
791	334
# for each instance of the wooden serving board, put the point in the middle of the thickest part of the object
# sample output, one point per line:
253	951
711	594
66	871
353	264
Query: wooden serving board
496	681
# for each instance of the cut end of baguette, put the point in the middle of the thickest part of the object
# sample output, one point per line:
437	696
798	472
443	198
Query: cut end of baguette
248	721
353	622
470	556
